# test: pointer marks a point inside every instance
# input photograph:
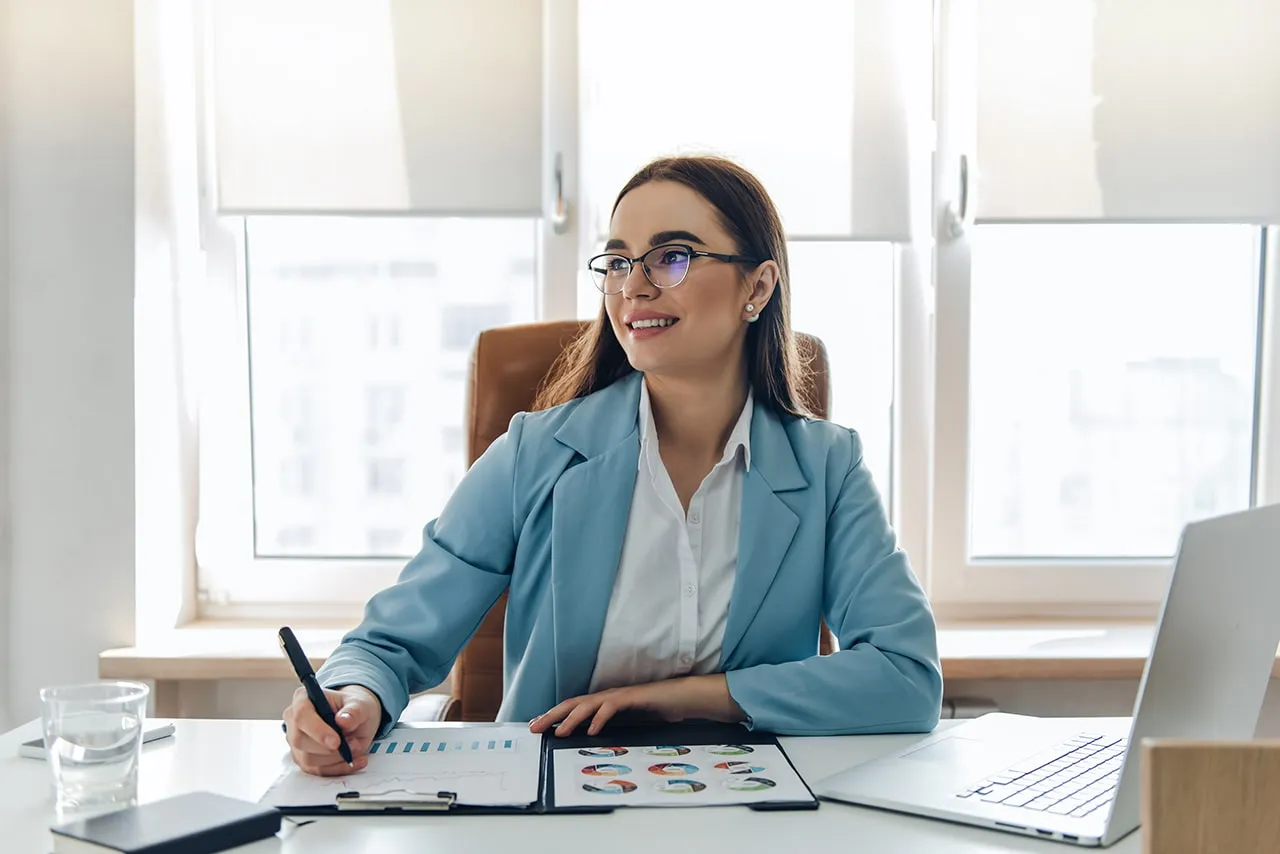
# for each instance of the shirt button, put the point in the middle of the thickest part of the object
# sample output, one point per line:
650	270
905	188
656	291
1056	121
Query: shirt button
690	589
686	660
694	518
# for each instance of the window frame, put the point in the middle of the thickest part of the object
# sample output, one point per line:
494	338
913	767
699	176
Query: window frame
929	422
965	588
230	582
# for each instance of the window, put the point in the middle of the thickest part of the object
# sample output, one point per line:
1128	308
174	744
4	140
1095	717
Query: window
1048	382
452	442
298	413
1111	387
294	538
386	300
461	324
383	333
1101	366
384	411
386	541
844	286
298	477
385	477
844	294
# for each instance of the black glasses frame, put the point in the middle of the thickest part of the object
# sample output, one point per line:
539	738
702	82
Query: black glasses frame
631	263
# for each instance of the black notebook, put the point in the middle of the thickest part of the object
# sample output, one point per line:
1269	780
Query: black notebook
196	823
506	769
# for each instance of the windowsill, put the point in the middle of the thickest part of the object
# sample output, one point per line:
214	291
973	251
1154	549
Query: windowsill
1004	649
218	649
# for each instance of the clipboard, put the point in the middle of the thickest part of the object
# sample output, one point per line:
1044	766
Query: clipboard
402	778
694	735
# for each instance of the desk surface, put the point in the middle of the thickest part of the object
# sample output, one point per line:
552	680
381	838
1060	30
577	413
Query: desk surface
240	758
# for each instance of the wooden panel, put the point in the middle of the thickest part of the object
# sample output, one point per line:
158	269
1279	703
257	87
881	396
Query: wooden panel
1203	796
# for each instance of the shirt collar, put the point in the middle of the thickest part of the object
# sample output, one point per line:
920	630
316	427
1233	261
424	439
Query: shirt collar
739	437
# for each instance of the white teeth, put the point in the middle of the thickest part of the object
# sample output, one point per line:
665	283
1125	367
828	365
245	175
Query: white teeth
657	321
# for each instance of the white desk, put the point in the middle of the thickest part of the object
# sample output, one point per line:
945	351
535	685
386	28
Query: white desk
240	758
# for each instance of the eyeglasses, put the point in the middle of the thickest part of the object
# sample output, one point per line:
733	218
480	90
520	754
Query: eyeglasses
665	266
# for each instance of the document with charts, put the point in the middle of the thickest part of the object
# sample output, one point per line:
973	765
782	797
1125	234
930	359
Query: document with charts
676	775
492	766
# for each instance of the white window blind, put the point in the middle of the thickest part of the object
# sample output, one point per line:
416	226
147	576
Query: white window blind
388	106
1156	110
827	103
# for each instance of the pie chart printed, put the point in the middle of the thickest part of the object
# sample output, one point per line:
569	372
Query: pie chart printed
607	769
667	750
673	769
729	750
610	787
739	767
749	784
679	787
603	751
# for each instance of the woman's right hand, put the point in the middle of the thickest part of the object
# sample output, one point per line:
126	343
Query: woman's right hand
313	742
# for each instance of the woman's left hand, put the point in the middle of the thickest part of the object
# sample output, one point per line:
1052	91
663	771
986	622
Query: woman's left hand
705	697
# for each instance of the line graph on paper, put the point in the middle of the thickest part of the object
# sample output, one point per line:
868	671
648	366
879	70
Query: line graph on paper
499	769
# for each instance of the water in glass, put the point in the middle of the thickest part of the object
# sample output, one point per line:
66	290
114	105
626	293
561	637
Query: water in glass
93	734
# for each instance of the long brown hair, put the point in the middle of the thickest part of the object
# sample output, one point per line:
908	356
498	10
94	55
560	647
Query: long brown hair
596	359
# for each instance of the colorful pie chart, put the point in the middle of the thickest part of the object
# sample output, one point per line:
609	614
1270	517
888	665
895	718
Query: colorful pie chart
609	787
749	784
666	750
739	767
673	769
606	769
679	787
729	750
603	751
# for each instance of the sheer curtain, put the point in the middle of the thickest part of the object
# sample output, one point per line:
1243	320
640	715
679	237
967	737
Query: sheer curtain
168	301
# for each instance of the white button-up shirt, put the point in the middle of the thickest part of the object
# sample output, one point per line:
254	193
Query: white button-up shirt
671	595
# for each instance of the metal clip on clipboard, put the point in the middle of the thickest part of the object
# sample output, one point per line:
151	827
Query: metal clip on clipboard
400	801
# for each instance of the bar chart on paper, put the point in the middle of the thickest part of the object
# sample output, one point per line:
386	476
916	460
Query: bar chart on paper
446	745
482	766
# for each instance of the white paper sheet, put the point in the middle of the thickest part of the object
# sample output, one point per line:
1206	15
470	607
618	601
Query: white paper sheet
483	765
675	776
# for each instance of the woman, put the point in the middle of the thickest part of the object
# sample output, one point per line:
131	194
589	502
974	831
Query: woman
671	524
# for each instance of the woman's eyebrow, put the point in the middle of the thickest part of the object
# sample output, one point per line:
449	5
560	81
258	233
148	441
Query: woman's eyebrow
657	240
668	236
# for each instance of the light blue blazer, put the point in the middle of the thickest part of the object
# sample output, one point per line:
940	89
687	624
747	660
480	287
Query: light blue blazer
543	512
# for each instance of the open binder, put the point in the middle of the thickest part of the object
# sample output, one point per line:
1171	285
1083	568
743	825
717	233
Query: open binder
667	765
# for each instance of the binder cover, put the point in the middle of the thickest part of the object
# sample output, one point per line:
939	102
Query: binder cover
686	764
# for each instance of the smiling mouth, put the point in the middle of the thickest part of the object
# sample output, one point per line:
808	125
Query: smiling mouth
653	323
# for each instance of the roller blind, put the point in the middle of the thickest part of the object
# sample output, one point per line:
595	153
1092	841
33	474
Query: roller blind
389	106
825	101
1160	110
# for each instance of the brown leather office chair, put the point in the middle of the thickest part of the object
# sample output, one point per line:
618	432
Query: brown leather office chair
508	365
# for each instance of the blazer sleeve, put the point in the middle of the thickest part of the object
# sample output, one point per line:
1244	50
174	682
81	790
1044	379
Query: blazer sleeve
412	632
886	676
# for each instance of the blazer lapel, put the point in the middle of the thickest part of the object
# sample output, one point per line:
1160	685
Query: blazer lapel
767	524
590	506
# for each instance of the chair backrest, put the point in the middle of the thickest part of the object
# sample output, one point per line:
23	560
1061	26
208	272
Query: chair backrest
508	366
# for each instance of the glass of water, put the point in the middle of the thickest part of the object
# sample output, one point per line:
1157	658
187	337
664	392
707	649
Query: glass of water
93	737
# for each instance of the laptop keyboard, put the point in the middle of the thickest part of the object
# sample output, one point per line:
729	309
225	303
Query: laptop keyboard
1075	778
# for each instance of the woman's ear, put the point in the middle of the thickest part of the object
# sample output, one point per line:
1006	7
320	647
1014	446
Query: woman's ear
762	281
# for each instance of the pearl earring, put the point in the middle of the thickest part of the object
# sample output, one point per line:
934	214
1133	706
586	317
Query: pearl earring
752	317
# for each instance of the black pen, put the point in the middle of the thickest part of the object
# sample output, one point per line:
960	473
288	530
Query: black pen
302	666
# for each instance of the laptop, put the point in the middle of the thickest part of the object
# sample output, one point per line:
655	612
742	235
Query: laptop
1078	780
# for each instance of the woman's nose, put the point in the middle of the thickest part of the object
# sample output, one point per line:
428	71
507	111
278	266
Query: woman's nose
637	284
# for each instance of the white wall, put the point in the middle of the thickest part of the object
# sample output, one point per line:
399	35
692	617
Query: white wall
70	373
5	521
